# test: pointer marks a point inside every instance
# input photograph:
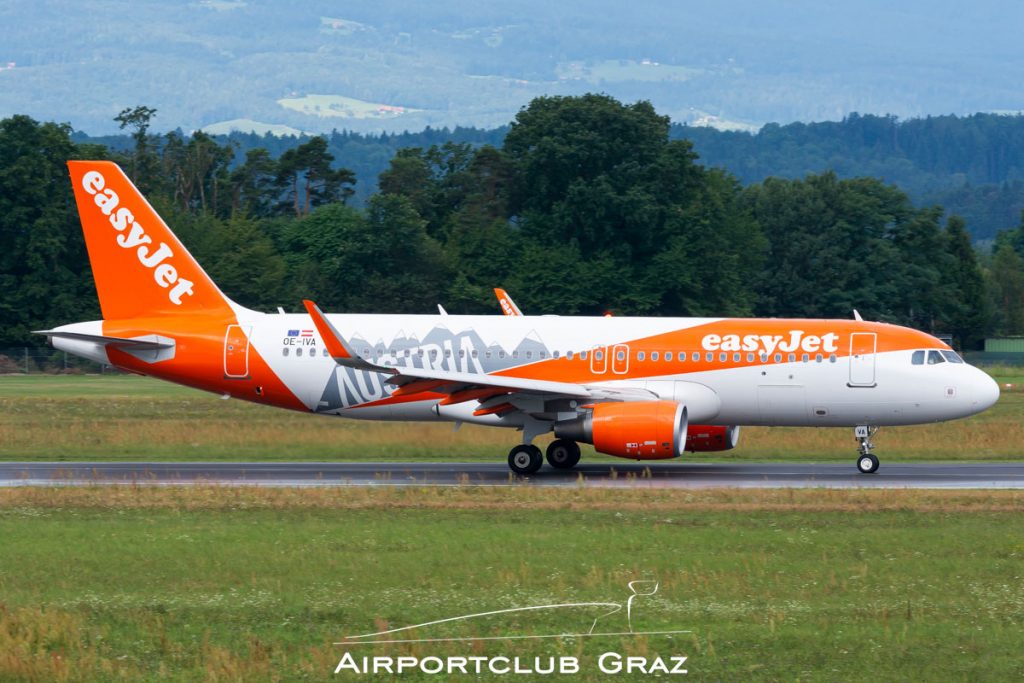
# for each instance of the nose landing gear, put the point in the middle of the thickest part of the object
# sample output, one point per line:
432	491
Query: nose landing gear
867	462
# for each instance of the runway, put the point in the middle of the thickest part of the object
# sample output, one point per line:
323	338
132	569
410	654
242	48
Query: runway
627	474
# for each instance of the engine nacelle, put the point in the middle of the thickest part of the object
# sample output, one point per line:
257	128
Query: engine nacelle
641	430
706	438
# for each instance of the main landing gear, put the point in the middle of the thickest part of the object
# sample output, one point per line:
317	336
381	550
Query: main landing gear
525	459
562	454
867	462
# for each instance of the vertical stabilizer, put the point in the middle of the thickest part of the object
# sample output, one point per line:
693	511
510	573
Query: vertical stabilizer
139	266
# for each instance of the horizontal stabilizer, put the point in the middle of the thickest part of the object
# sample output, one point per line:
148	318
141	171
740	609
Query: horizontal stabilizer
147	343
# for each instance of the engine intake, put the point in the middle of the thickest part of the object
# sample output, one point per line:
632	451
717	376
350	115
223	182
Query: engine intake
642	430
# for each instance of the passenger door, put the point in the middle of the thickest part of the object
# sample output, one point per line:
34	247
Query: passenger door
862	359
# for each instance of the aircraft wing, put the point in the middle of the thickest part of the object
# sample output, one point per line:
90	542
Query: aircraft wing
489	390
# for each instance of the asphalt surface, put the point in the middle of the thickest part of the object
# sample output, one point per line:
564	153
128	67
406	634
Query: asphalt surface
626	474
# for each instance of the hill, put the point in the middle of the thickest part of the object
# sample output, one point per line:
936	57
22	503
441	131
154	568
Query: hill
404	65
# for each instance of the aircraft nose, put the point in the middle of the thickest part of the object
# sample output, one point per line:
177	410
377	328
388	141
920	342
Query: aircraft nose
984	391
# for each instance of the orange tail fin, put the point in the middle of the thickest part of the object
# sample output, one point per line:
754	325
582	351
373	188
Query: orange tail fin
139	266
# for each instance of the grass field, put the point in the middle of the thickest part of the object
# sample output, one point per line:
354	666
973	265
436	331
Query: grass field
70	417
337	106
222	584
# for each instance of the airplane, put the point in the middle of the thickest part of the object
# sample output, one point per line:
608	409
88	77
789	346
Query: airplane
630	386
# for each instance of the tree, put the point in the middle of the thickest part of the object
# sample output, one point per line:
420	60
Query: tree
305	177
144	165
603	179
1007	277
381	262
970	310
44	272
252	184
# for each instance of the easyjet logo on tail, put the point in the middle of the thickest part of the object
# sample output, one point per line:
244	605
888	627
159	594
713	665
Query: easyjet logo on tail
133	236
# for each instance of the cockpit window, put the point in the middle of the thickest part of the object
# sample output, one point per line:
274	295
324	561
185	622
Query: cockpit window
934	357
918	358
952	357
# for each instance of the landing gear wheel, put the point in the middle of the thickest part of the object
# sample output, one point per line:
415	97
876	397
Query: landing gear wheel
563	454
867	464
525	459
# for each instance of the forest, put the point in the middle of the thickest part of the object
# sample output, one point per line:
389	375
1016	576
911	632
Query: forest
583	205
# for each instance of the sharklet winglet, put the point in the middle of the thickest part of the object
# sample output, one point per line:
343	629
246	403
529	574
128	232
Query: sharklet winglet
340	350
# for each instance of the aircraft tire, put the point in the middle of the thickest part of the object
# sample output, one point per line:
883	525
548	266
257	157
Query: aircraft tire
563	454
525	459
867	464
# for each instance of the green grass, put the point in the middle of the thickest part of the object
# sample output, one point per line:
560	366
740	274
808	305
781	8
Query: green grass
227	584
124	417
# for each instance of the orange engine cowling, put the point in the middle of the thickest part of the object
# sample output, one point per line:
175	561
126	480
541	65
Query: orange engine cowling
642	430
708	438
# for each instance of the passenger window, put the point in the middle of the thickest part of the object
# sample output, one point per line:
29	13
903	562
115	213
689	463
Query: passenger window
515	354
583	355
620	355
818	358
682	356
778	358
598	355
556	355
529	354
668	356
298	351
917	358
832	358
462	353
736	358
447	353
501	354
934	358
543	354
568	355
792	358
764	357
474	353
696	356
750	358
655	355
487	354
722	357
640	355
709	357
805	358
952	357
284	351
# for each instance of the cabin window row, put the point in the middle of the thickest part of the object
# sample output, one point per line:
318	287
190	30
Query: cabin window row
641	356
